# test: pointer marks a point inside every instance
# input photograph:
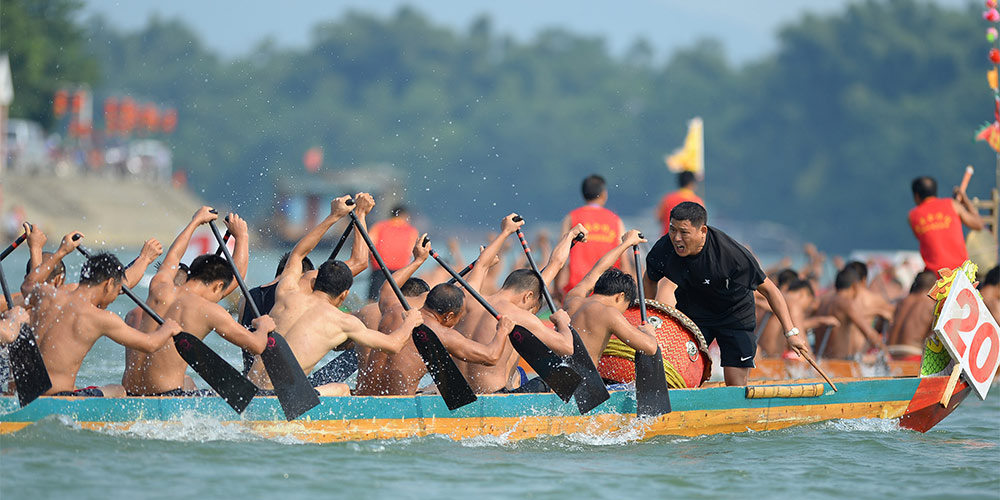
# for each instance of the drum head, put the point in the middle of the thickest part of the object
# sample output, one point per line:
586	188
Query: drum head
680	341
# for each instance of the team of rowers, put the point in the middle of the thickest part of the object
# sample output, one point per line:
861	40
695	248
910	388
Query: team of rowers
68	318
705	273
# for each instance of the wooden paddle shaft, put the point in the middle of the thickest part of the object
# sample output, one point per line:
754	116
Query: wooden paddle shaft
818	369
465	284
236	272
381	263
965	178
639	284
534	267
18	241
126	290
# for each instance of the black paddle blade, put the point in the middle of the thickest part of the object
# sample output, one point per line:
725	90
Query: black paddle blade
652	398
291	386
337	370
547	364
452	386
591	391
26	362
232	387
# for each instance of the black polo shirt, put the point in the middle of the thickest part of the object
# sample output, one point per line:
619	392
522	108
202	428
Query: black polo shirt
714	287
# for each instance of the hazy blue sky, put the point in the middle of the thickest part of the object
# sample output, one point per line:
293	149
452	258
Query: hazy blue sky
746	28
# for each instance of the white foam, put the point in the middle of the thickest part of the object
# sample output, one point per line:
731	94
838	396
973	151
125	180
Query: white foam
880	425
192	427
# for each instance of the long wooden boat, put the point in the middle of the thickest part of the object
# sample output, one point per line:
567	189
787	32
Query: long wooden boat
914	402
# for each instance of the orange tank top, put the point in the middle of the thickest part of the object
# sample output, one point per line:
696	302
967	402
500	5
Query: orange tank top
394	239
938	229
672	200
602	236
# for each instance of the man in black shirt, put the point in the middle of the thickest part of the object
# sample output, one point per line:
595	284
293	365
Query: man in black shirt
715	278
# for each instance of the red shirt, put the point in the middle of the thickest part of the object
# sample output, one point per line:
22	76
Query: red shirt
671	200
938	229
603	235
394	239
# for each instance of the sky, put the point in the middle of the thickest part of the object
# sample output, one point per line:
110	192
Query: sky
747	29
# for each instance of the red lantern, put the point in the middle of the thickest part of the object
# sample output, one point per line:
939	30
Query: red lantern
169	122
150	117
59	103
126	115
111	115
995	56
76	103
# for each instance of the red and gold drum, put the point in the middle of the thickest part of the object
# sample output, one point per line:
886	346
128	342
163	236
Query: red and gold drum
685	354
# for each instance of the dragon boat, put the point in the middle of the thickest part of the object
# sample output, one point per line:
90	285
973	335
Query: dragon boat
961	357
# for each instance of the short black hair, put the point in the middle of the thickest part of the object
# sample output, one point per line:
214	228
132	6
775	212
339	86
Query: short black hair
800	284
445	298
859	267
615	281
992	277
685	179
846	278
592	187
333	278
923	282
787	275
210	268
690	211
414	287
58	270
399	210
523	280
924	187
100	268
307	264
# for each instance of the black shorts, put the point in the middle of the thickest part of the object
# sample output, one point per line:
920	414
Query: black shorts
736	347
89	392
176	393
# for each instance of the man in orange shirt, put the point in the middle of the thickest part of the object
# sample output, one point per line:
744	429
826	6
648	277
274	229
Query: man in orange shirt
937	224
686	183
604	233
394	239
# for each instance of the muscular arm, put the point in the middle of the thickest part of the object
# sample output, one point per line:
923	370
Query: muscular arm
627	266
967	212
392	342
229	329
632	336
583	288
241	251
114	328
293	268
359	250
559	340
478	273
560	253
854	314
151	249
388	298
470	351
38	274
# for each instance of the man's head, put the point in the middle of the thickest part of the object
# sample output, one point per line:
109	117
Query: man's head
847	279
399	211
992	279
923	282
923	187
618	284
105	273
334	279
686	180
55	278
688	228
859	267
446	301
800	292
414	287
785	277
307	264
526	288
594	189
213	271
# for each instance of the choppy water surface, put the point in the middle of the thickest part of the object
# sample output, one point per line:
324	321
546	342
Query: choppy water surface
195	456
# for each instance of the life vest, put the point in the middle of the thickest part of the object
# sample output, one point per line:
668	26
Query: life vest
394	239
602	236
672	200
938	229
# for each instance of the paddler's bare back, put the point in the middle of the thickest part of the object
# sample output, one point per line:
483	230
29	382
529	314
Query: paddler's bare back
482	327
67	328
400	373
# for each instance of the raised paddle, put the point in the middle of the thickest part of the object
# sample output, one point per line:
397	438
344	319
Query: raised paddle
343	238
812	362
465	270
591	392
30	374
966	178
451	384
232	387
652	397
291	387
547	364
12	246
218	251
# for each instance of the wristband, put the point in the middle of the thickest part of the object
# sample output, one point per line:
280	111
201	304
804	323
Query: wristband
790	333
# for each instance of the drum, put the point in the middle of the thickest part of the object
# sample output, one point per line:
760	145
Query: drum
685	354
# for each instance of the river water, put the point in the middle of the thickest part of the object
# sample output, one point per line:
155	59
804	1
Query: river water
960	458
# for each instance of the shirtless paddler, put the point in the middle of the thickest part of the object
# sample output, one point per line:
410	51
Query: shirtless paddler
309	316
195	306
68	320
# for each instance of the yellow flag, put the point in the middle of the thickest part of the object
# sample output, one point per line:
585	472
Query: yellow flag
991	77
690	157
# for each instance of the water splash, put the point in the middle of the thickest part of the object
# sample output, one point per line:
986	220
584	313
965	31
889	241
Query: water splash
193	428
878	425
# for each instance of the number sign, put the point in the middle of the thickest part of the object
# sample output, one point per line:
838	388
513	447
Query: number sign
970	334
